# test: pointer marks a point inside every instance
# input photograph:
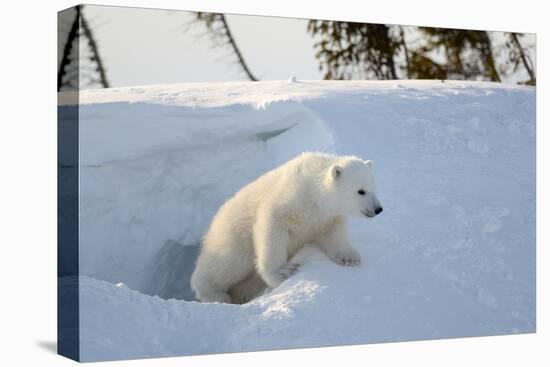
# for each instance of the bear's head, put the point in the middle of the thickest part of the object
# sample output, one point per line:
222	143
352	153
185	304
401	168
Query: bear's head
353	189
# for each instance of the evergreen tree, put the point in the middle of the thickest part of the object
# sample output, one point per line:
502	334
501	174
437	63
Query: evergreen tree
80	64
517	55
468	55
347	50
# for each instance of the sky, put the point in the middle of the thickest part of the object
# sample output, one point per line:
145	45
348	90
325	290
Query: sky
146	46
149	46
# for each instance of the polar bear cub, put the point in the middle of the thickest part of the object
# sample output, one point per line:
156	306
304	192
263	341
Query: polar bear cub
252	238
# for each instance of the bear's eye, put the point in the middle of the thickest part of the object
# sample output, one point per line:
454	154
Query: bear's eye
361	192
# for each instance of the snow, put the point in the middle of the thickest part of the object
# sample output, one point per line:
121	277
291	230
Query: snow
453	254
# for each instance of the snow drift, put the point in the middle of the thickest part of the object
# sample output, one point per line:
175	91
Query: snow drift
452	255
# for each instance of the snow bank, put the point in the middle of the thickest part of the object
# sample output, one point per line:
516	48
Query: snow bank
153	176
452	255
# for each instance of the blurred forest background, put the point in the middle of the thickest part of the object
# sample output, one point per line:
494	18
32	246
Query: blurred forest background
186	46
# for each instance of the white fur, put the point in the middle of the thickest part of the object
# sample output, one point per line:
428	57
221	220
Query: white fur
256	232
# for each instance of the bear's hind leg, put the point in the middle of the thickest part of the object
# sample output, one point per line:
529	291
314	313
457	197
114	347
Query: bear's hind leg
203	286
214	296
206	291
216	273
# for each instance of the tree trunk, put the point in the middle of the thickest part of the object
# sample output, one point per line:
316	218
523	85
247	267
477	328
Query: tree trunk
529	69
236	49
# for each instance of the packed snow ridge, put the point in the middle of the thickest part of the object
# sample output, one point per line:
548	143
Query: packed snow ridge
452	255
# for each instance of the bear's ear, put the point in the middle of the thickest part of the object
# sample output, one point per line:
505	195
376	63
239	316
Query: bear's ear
335	171
369	163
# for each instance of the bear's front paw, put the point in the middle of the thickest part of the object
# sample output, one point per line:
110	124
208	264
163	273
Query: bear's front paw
347	257
276	277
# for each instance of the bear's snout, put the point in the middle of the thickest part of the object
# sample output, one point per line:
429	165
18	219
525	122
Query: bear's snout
378	210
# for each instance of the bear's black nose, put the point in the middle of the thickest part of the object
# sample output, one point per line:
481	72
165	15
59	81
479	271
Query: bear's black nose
378	210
